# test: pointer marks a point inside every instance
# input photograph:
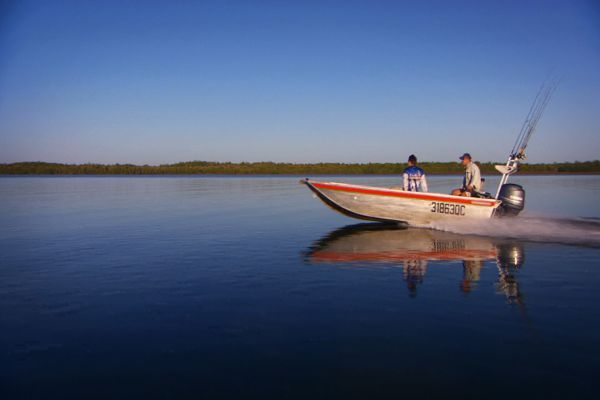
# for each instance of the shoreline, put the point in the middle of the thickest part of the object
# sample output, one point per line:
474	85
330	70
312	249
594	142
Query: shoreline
3	175
208	168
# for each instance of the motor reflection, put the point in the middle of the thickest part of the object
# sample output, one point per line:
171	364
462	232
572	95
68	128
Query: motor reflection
414	249
510	258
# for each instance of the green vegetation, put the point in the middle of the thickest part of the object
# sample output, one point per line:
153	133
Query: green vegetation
270	168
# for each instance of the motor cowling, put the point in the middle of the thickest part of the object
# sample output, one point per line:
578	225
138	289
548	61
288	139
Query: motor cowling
513	199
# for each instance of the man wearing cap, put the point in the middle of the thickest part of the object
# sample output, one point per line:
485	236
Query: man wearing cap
414	177
472	180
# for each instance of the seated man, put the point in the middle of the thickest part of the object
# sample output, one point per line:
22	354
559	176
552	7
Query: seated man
414	177
472	179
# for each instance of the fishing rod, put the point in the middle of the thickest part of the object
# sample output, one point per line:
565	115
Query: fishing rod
536	111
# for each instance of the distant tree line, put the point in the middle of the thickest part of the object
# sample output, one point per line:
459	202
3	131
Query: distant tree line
271	168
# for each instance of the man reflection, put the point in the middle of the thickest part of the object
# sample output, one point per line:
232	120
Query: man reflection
471	275
414	272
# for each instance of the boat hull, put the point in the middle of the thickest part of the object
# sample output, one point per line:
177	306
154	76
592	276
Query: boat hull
391	205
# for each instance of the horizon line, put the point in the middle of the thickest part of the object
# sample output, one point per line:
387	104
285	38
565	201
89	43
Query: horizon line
286	162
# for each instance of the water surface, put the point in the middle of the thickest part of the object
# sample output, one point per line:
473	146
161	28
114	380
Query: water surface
215	287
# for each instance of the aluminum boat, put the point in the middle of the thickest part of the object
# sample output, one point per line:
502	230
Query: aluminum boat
392	205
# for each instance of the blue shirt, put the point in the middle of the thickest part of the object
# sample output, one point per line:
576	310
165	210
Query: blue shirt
414	179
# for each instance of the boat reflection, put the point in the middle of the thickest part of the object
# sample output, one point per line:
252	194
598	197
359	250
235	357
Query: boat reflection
413	249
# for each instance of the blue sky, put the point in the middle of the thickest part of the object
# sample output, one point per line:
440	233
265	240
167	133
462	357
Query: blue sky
301	81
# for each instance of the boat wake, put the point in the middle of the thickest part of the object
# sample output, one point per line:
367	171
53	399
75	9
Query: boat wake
576	231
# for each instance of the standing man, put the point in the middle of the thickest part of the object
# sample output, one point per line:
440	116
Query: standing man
414	177
472	180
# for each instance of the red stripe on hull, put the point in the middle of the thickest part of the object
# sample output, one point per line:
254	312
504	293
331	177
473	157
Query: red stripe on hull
332	256
409	195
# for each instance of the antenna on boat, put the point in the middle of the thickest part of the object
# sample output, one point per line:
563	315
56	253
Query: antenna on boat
536	111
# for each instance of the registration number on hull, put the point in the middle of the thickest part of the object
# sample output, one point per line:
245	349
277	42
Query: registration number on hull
447	208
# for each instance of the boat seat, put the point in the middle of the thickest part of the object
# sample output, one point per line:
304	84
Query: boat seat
482	195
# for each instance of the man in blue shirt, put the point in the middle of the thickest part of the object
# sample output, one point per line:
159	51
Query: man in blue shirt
414	177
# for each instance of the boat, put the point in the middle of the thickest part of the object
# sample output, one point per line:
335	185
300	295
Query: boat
424	209
394	205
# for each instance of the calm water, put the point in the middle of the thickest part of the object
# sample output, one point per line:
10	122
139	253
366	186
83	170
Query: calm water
173	287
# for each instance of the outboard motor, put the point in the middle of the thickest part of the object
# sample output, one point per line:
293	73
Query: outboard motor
513	199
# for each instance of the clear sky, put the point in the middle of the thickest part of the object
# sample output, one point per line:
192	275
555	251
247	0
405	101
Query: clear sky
301	81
